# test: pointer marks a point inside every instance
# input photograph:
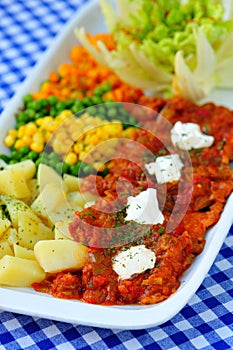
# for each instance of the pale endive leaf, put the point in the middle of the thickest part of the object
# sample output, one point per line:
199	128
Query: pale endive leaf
110	15
126	8
224	74
157	74
206	58
226	48
184	82
81	35
128	69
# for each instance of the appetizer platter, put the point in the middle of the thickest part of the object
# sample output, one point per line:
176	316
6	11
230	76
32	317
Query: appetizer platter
115	184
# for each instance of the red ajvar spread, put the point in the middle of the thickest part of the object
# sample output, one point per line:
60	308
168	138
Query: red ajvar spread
102	227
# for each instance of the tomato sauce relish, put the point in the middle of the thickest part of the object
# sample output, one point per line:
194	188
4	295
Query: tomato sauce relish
103	229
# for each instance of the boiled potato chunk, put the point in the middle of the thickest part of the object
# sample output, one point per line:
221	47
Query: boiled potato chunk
34	190
16	207
57	255
47	175
18	272
4	223
11	235
13	183
48	200
62	230
24	253
80	198
52	203
72	182
5	249
31	231
26	167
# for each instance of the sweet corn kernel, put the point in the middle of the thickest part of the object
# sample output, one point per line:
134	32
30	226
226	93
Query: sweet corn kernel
37	147
78	147
9	141
71	158
21	131
64	115
38	137
13	133
99	166
26	140
30	128
19	144
94	140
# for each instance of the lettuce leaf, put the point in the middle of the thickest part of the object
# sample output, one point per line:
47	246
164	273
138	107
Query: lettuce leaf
168	47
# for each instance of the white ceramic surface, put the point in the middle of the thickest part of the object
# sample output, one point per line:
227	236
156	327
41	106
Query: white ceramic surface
25	300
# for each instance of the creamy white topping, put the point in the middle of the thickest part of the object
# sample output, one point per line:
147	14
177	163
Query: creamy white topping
188	135
134	260
166	168
144	208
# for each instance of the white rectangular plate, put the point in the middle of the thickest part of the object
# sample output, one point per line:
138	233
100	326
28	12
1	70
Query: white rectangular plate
25	300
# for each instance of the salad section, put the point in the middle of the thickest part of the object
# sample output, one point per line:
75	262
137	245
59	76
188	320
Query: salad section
98	172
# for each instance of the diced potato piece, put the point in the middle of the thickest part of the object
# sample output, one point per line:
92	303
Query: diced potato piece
47	175
34	190
63	213
11	235
58	255
52	203
62	230
31	231
4	223
13	183
72	182
80	198
48	200
16	207
5	249
26	167
24	253
17	272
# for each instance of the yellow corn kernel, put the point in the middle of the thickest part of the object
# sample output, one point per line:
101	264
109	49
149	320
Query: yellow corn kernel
26	140
57	147
21	131
82	155
88	148
78	147
71	158
49	125
46	121
37	147
30	128
99	166
64	115
9	141
129	132
75	135
40	121
47	136
100	132
94	140
19	144
13	133
61	135
38	137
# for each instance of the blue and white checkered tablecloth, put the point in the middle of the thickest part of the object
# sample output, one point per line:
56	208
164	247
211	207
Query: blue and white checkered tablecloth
27	28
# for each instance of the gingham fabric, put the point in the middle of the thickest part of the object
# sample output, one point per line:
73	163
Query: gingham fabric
27	28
